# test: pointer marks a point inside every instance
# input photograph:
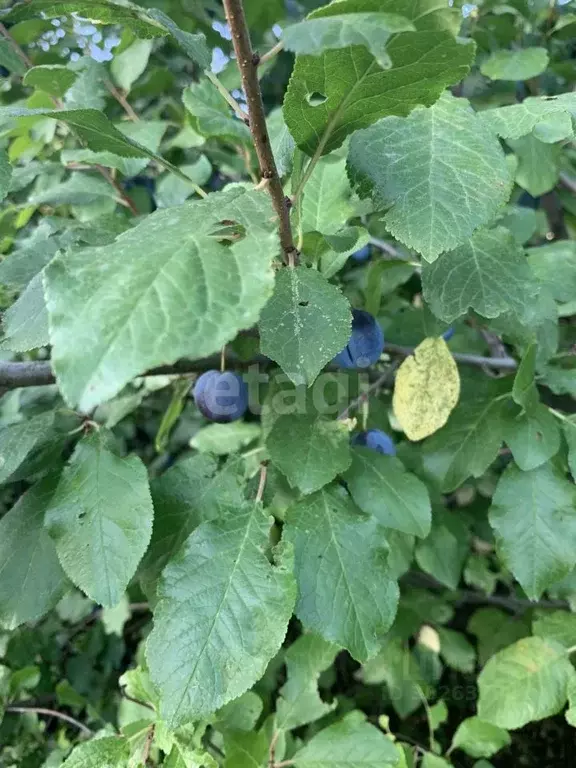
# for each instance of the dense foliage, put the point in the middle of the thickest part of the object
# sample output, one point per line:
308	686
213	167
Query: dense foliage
287	434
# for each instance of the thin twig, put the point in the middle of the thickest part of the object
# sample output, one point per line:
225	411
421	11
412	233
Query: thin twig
262	483
502	363
135	701
121	99
248	66
568	182
148	744
52	713
124	198
225	93
274	51
272	749
365	396
284	764
387	248
25	58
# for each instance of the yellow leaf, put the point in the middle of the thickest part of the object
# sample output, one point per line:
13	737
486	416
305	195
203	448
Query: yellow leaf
427	389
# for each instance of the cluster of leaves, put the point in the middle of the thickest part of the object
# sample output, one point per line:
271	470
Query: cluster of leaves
268	592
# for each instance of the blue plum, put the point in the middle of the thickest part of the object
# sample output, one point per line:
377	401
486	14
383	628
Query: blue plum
362	255
447	335
366	343
221	396
376	440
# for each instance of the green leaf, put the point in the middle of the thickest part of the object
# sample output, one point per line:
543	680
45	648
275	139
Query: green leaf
350	743
299	702
17	442
570	435
383	488
309	451
518	120
326	205
480	739
246	749
488	273
190	492
559	626
100	519
522	64
163	290
427	389
147	133
433	761
444	552
172	190
432	206
525	682
31	578
171	415
533	437
456	651
194	45
533	515
469	442
241	714
77	189
555	266
396	666
33	253
10	59
538	164
25	323
345	591
494	630
372	30
524	391
50	78
127	66
223	439
211	114
5	174
354	91
222	608
281	139
106	752
305	324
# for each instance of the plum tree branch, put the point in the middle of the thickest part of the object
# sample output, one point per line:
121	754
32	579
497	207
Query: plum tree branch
37	373
52	713
248	65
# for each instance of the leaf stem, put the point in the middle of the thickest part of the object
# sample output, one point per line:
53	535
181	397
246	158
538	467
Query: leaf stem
248	66
274	51
225	93
365	396
121	99
52	713
262	483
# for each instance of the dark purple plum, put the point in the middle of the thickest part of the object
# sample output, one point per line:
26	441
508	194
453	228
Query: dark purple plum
362	255
376	440
221	396
366	342
447	335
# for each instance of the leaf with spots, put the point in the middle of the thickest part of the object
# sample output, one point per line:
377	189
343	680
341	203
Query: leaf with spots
165	289
345	590
222	615
427	389
305	324
439	173
100	518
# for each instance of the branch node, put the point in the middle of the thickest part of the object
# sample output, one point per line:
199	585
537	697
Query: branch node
255	58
